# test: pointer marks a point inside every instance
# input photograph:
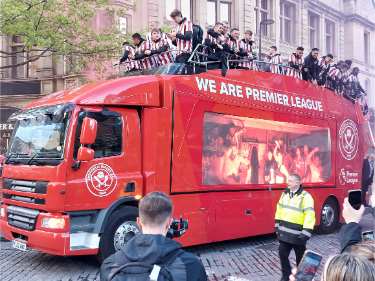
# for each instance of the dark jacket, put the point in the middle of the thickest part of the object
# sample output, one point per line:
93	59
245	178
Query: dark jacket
153	249
311	69
350	234
367	175
213	46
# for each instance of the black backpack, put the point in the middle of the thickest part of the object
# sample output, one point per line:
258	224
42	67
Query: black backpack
140	271
197	35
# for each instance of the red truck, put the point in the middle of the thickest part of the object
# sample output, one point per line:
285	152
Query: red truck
221	147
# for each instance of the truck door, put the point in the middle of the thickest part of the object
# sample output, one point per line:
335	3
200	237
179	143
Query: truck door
116	169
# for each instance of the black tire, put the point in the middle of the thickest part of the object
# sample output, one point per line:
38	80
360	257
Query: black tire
126	215
329	217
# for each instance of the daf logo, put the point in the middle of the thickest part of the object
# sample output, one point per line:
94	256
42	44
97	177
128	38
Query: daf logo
101	180
348	139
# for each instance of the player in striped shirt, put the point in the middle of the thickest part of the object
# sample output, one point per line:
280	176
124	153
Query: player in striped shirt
143	57
274	60
246	45
129	64
296	64
159	48
325	64
182	36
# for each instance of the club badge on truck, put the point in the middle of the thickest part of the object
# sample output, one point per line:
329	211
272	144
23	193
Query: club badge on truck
348	139
101	180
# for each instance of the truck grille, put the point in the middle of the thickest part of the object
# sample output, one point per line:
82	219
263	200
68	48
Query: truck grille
39	187
22	217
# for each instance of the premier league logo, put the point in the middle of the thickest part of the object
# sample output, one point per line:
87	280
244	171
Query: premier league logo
101	180
348	139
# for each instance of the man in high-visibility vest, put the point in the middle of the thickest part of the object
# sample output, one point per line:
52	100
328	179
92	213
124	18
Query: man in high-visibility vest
294	222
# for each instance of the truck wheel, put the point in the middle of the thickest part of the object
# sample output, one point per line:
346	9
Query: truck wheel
120	228
329	217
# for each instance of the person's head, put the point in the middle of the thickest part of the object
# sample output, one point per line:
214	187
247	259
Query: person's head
315	53
328	58
235	33
371	153
299	51
137	38
349	63
269	155
176	15
355	71
344	67
272	50
155	34
294	182
248	35
225	27
218	27
126	43
155	213
364	249
347	267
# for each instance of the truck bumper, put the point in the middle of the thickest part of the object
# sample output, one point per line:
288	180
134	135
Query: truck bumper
54	243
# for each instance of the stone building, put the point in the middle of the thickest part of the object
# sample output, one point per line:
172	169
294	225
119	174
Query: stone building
345	28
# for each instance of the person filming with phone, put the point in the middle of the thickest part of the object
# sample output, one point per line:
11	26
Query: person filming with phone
151	255
368	171
294	222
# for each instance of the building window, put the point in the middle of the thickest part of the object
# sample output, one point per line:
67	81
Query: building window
366	45
123	25
287	21
314	30
185	6
330	37
218	10
263	11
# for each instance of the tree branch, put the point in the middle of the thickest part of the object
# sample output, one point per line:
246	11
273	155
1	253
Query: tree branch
31	59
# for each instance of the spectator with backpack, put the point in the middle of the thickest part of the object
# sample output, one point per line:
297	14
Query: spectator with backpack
150	255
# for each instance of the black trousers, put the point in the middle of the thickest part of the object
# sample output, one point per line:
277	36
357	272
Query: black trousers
182	58
284	252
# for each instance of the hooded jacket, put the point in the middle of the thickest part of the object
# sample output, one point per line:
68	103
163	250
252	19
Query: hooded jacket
311	68
155	249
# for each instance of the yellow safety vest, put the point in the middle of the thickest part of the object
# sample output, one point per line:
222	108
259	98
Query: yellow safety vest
295	217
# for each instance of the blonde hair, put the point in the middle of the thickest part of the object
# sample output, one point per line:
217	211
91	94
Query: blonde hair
364	249
347	267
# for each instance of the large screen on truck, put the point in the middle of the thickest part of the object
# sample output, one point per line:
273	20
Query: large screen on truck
241	150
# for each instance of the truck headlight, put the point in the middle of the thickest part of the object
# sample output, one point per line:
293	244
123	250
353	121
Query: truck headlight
55	223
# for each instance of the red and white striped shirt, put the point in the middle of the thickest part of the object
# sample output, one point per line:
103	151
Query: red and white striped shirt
147	62
184	46
294	60
129	64
164	57
246	46
275	61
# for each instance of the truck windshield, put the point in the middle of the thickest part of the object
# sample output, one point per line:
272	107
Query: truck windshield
39	135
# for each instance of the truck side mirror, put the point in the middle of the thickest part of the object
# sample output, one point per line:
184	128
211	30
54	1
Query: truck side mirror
88	131
85	154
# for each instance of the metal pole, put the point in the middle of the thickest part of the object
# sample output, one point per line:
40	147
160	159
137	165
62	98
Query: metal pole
260	42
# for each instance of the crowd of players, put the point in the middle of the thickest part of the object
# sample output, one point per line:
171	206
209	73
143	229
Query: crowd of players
222	48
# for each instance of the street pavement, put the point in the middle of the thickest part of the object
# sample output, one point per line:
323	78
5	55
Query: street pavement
250	259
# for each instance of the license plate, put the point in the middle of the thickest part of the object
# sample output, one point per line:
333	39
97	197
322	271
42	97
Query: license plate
19	245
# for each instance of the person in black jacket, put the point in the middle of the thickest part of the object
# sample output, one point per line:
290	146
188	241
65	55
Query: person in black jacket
311	69
152	249
368	171
216	45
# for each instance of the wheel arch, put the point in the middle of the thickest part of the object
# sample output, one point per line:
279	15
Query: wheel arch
103	217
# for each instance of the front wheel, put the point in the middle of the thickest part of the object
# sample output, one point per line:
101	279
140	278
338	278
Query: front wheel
119	230
329	217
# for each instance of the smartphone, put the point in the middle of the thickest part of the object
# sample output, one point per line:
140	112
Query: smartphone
355	198
368	235
308	266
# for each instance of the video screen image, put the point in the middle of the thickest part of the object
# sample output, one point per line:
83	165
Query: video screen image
241	150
